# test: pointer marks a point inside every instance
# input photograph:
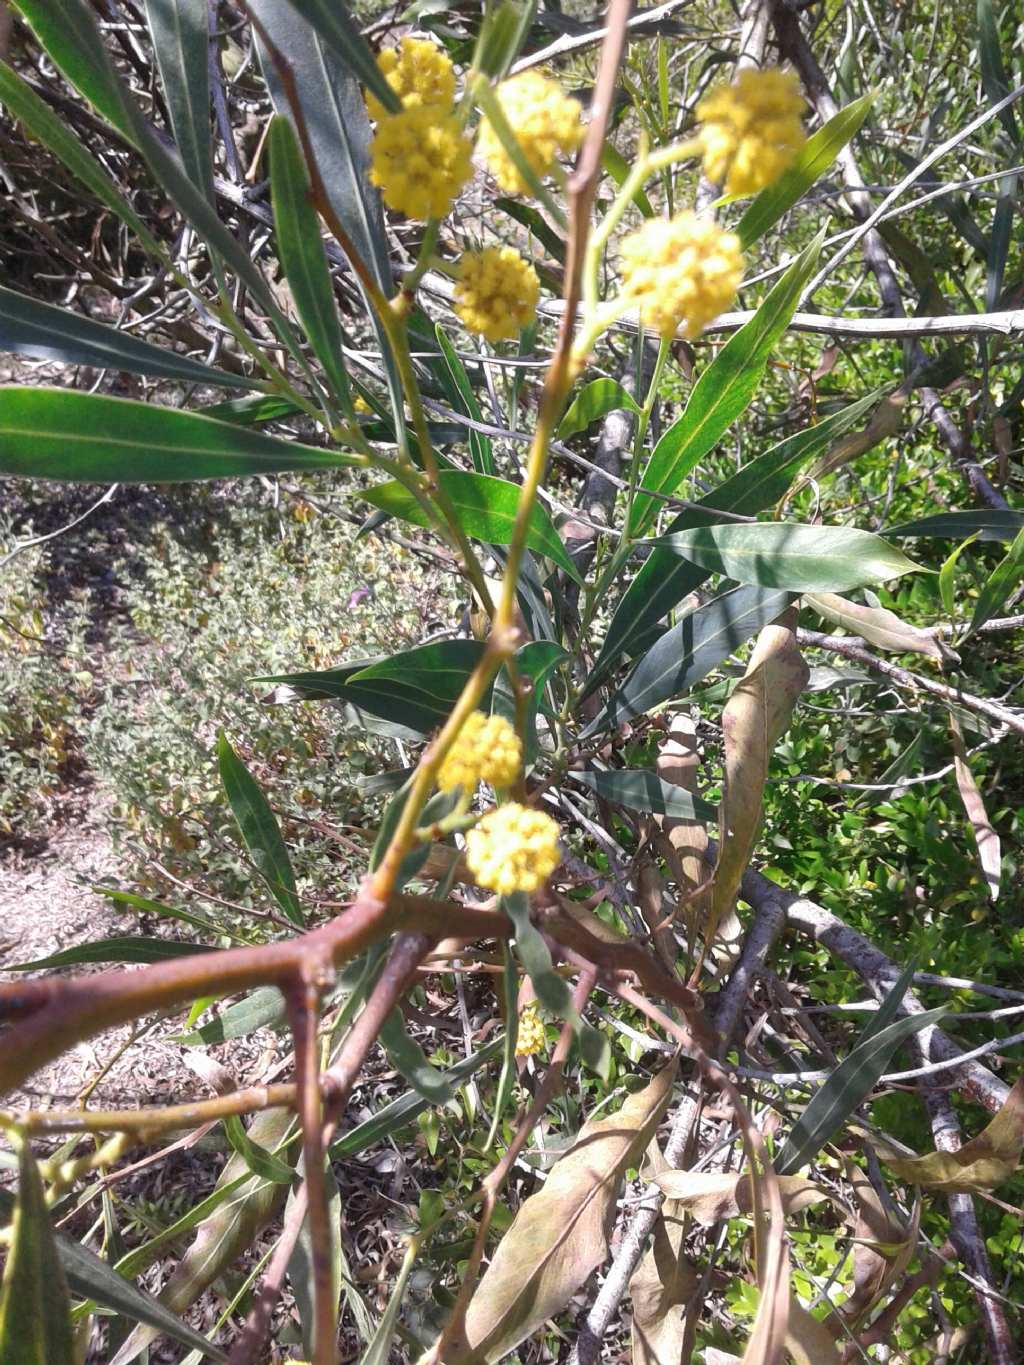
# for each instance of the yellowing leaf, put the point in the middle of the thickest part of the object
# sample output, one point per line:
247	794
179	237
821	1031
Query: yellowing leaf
755	716
879	626
560	1235
983	1163
660	1288
711	1196
985	836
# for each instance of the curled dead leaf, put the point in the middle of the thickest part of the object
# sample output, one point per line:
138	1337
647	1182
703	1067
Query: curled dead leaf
712	1196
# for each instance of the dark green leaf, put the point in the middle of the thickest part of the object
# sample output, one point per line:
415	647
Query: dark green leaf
987	525
1000	239
689	650
263	1008
393	1117
410	1060
90	438
664	580
259	829
814	158
251	410
29	327
332	23
593	401
486	509
150	907
35	1308
418	687
121	949
994	78
302	253
528	217
69	33
846	1090
257	1158
1004	579
322	48
465	401
619	168
723	391
535	660
181	44
778	554
888	1009
641	789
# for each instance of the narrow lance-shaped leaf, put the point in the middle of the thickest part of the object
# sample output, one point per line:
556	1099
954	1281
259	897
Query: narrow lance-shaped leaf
461	391
845	1090
259	829
560	1234
120	949
988	525
70	35
35	1309
411	1062
814	158
754	718
302	253
1001	582
879	626
486	509
797	558
641	789
723	391
33	328
90	438
663	579
181	44
594	401
985	834
690	649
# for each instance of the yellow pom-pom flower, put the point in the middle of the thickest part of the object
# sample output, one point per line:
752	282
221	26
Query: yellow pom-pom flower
486	750
546	122
420	159
531	1037
513	848
751	130
419	73
497	292
681	271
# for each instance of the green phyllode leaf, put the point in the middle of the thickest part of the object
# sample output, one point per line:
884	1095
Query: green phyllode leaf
90	438
787	555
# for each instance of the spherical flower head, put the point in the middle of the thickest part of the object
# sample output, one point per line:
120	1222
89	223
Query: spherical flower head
681	271
751	130
419	73
512	849
497	292
531	1037
487	750
420	159
546	122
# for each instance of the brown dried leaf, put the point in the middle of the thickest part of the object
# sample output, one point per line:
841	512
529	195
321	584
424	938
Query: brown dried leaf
983	1163
560	1235
885	421
808	1341
879	626
985	836
679	764
660	1288
711	1196
883	1248
754	717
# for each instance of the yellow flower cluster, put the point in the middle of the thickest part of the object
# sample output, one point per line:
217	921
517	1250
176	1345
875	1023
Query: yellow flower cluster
497	292
751	130
531	1037
546	122
419	73
513	848
420	159
681	271
487	750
